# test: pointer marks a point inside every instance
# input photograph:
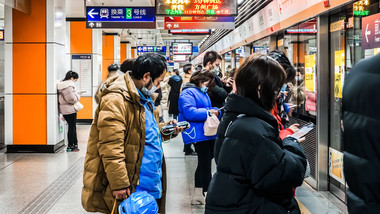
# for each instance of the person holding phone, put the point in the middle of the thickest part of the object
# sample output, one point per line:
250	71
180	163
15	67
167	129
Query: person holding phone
69	105
256	170
124	151
280	109
194	105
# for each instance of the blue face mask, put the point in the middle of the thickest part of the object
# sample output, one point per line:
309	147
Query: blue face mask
204	89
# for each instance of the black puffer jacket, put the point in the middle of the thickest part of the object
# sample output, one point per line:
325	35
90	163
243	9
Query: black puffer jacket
219	93
361	119
255	170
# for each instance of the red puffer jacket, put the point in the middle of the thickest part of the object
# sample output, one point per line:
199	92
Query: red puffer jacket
283	132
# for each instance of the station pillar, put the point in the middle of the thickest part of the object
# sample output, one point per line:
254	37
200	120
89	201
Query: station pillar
84	56
111	51
34	63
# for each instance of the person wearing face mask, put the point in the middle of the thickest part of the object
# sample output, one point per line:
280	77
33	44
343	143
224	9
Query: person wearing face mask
256	171
219	93
124	151
280	109
194	105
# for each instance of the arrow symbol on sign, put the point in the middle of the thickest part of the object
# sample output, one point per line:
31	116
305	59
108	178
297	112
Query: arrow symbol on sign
367	33
91	13
169	26
139	49
91	24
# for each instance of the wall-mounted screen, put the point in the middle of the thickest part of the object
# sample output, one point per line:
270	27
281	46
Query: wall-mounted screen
182	48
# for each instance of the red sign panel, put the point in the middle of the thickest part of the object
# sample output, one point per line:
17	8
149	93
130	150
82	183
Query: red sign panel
196	7
371	32
175	23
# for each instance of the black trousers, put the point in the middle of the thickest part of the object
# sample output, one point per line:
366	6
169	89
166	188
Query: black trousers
71	119
205	151
187	148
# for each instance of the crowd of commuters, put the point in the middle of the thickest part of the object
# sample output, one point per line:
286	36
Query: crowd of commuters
259	163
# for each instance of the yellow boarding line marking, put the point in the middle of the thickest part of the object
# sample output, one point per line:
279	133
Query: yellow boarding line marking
303	209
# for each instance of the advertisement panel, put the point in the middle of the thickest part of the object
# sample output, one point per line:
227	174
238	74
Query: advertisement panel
310	66
336	165
339	66
196	7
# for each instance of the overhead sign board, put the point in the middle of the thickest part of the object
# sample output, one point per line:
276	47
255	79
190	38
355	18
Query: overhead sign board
196	7
120	17
182	48
179	58
197	22
191	31
149	49
371	32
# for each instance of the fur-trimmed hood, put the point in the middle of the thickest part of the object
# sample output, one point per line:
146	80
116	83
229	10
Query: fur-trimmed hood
65	84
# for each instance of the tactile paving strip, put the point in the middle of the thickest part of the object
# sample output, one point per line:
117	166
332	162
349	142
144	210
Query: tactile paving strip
46	200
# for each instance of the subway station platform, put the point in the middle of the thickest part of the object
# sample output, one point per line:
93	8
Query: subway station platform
52	183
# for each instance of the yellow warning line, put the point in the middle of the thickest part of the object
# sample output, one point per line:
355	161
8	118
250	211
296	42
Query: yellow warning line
303	209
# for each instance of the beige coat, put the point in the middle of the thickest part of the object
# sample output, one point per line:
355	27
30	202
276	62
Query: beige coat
165	95
115	146
67	97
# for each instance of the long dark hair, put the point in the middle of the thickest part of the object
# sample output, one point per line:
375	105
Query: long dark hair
71	74
260	70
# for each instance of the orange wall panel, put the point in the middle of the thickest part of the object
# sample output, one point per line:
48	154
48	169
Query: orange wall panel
133	50
29	120
123	52
106	63
30	27
29	68
80	38
108	47
86	112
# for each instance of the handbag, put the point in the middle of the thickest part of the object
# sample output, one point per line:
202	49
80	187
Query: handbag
211	125
78	106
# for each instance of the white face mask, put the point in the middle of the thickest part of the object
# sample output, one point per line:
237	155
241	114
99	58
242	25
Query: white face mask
216	70
299	79
148	92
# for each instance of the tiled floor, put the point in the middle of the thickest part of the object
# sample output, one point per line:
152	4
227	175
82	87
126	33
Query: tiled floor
24	176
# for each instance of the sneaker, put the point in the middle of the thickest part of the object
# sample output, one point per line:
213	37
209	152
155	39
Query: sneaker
72	149
75	149
69	149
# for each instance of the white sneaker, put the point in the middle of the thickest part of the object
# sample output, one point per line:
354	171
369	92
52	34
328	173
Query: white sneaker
198	197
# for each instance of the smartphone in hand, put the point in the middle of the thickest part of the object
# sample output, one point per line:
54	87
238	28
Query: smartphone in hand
303	131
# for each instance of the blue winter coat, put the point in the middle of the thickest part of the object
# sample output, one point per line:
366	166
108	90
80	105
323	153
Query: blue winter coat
151	166
193	106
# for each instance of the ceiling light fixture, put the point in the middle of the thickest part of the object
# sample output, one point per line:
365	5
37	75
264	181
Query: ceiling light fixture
240	2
